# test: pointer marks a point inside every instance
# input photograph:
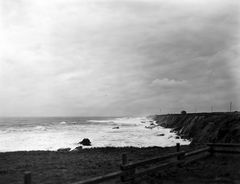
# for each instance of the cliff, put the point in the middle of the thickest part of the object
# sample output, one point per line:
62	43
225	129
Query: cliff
203	127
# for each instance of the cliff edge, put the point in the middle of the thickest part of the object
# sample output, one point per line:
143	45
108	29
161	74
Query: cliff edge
203	127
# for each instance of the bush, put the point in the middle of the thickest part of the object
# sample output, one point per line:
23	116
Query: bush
183	112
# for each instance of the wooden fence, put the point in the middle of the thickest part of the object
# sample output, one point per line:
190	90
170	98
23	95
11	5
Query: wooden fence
129	172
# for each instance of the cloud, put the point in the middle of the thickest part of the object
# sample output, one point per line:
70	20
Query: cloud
117	57
166	83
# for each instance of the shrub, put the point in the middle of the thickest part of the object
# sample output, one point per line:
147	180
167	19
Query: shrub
183	112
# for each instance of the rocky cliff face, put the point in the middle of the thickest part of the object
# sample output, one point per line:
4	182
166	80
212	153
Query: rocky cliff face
204	127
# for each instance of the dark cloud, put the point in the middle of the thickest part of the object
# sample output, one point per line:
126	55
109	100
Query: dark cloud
119	57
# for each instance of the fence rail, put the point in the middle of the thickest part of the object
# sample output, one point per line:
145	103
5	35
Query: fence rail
152	160
100	178
158	167
128	171
197	151
225	148
223	145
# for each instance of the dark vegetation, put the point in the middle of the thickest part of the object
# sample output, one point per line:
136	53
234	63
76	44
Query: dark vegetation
212	170
183	112
49	167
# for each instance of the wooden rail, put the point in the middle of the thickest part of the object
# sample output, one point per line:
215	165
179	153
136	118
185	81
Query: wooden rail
225	148
100	178
197	151
223	145
150	161
158	167
128	171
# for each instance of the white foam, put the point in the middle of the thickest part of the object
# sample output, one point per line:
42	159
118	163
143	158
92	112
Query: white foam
100	121
131	132
40	128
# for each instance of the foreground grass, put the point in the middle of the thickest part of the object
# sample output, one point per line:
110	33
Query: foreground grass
50	167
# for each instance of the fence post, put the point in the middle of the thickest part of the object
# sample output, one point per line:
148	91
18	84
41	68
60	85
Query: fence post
27	177
178	146
128	174
211	151
178	150
124	159
179	157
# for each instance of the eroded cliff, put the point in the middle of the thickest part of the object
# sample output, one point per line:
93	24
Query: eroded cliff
204	127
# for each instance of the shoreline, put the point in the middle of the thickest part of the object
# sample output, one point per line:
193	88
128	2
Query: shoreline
203	127
93	148
136	132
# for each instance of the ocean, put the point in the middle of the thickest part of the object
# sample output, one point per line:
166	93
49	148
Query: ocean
52	133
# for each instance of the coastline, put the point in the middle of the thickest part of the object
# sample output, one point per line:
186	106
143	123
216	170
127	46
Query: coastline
200	128
44	133
68	167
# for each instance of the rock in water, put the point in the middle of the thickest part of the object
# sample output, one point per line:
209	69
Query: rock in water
85	142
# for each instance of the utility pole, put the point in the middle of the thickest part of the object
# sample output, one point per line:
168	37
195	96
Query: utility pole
230	108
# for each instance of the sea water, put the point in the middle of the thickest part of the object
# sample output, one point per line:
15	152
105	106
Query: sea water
52	133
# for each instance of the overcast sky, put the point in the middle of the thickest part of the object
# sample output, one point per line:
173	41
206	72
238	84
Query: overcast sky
118	57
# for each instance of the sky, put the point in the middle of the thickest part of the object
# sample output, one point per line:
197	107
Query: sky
118	57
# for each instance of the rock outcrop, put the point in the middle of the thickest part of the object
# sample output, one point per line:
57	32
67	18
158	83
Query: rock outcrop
204	127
